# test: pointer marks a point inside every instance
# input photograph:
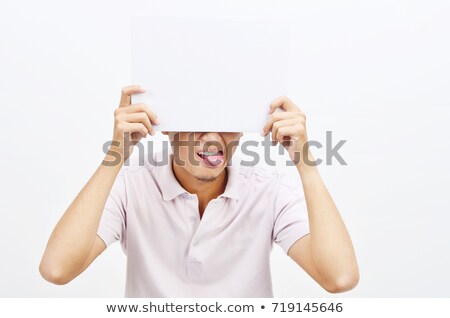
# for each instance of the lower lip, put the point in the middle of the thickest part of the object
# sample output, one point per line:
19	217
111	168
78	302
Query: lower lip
212	163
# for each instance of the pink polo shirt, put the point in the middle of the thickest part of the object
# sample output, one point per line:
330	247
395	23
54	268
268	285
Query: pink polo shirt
171	252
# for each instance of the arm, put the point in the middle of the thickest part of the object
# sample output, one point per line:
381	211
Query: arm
327	253
74	244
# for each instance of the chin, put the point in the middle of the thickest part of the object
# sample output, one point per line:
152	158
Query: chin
206	179
205	174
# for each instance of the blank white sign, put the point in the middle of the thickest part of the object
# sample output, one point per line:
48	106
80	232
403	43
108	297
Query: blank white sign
210	73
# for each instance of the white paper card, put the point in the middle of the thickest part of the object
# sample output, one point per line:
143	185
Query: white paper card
210	73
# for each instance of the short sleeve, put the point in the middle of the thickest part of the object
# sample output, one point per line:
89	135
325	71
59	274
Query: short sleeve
113	221
291	216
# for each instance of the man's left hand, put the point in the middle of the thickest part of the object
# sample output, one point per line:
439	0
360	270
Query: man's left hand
288	127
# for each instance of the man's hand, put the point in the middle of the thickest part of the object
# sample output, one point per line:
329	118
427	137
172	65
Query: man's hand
327	253
288	127
74	243
132	122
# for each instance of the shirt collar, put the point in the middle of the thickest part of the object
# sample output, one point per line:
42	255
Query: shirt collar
171	188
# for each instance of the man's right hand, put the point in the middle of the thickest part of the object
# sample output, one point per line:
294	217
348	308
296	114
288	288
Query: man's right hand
132	122
74	242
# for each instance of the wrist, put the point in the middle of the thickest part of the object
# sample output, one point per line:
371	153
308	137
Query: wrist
114	157
307	162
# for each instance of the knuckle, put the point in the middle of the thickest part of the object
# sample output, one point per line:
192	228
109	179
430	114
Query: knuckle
300	117
118	117
120	126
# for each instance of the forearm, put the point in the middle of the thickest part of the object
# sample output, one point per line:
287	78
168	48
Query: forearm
331	246
72	239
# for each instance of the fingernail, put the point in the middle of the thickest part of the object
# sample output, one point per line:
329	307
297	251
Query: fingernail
156	120
262	133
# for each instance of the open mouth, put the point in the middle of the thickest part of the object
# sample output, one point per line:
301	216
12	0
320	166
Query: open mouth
211	158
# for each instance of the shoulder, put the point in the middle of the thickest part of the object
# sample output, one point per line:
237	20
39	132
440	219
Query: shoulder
140	163
259	172
273	177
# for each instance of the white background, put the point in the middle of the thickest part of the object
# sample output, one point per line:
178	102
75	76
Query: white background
375	73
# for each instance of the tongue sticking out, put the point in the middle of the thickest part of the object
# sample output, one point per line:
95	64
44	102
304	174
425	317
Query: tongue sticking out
213	160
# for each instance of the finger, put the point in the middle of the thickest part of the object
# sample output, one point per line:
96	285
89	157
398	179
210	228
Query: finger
276	117
127	92
287	133
135	138
142	108
140	118
284	103
136	128
279	125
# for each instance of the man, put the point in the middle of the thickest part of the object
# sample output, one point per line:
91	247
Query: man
199	227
